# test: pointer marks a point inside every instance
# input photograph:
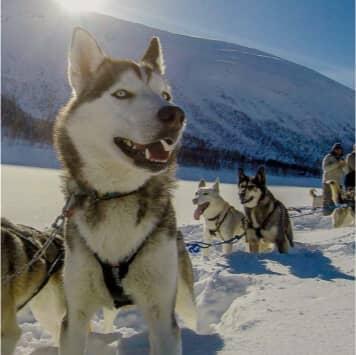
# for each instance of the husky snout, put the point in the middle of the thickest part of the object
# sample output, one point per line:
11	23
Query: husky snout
171	116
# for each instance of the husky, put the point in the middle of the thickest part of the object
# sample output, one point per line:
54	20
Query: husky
221	219
117	139
39	286
268	218
344	213
317	199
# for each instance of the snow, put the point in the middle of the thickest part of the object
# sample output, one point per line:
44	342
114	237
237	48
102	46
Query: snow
234	97
300	303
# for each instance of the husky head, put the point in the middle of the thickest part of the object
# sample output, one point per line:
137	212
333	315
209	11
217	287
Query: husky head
207	199
121	120
251	188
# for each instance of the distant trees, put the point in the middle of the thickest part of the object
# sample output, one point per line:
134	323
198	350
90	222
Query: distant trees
18	124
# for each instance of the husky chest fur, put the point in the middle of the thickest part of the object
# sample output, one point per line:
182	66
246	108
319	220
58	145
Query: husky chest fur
117	140
268	218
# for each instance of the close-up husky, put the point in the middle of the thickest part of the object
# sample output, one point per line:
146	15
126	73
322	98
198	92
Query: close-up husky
39	285
344	213
268	218
117	140
220	218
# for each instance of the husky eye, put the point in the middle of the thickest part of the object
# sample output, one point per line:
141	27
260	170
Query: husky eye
122	94
166	96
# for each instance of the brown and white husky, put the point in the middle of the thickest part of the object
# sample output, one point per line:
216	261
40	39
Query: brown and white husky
117	140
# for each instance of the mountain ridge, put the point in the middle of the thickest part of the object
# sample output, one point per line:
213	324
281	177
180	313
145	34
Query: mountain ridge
257	104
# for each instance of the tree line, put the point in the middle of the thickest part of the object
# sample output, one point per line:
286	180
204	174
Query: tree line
18	124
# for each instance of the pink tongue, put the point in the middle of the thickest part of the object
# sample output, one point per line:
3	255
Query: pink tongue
157	151
197	213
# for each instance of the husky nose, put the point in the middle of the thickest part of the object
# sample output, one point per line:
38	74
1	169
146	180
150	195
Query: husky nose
172	116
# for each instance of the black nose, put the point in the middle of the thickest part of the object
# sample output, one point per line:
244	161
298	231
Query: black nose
172	116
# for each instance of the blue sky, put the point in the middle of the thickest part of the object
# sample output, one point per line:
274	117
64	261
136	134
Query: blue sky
319	34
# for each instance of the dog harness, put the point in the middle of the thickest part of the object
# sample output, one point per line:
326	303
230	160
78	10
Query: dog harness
219	221
264	223
112	274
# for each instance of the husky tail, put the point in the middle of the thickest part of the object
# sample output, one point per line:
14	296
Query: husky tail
185	303
313	193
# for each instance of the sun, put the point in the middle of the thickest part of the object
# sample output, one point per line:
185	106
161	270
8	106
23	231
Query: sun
80	5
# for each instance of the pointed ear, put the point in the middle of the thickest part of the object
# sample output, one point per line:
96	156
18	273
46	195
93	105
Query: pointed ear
261	176
202	183
241	175
216	185
85	56
154	56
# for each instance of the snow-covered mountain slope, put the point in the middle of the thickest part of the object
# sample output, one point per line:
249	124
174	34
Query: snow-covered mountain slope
271	304
237	98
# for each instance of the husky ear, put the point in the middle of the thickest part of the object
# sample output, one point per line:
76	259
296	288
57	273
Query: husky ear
202	183
85	56
261	176
241	175
154	56
216	185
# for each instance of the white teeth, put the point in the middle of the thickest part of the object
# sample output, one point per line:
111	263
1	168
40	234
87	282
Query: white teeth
167	147
147	154
127	142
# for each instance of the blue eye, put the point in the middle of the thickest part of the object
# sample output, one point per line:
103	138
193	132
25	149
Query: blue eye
122	94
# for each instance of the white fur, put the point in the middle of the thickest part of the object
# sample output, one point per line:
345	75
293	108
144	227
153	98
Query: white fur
152	277
107	168
218	206
85	56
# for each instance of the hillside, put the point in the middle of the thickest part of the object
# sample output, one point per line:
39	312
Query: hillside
242	104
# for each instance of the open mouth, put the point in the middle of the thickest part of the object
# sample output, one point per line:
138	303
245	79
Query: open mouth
247	200
200	210
154	155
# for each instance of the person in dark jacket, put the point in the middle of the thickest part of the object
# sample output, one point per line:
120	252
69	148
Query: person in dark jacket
333	169
350	170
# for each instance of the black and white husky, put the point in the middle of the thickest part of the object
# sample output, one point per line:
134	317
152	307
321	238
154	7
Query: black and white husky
268	219
117	139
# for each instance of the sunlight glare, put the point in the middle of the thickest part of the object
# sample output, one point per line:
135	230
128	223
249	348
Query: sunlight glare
80	5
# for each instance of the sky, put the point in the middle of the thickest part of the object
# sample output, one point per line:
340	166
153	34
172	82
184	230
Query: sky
319	34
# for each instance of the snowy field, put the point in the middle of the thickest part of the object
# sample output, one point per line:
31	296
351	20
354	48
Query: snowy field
271	304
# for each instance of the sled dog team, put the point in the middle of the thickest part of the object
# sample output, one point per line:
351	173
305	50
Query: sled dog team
117	139
265	223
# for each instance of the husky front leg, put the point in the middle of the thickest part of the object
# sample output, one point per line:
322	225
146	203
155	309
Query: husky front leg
207	238
252	240
82	282
10	331
152	282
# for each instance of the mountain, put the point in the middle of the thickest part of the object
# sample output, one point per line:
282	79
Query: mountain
241	103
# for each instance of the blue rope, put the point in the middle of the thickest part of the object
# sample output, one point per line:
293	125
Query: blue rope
194	247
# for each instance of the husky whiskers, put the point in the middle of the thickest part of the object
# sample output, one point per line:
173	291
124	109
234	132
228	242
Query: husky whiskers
268	219
344	213
117	140
22	285
220	218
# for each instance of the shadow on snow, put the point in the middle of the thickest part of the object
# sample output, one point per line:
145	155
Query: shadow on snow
303	262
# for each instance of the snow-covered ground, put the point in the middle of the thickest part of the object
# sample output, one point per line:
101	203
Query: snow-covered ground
271	304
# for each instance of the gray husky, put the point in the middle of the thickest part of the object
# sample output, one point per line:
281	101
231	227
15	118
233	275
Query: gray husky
221	219
268	219
117	140
39	286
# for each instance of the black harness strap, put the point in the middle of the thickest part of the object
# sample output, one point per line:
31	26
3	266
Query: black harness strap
218	225
264	223
113	276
